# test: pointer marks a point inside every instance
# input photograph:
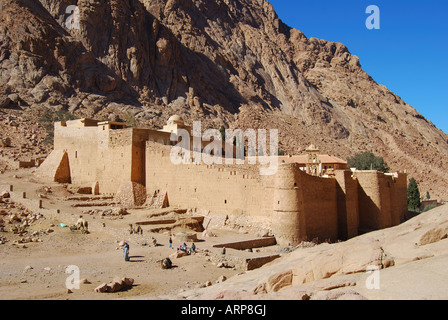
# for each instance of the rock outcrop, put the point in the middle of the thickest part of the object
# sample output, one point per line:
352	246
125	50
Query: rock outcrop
403	256
115	285
231	63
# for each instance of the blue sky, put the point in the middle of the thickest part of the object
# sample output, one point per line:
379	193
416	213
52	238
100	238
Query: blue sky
408	54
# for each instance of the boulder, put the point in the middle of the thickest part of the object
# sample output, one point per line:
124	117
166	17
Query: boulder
434	235
105	82
119	211
166	263
5	102
127	282
178	254
115	285
101	288
208	234
84	281
279	281
40	93
4	194
6	142
14	98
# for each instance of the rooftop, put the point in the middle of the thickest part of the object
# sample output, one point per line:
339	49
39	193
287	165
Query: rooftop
302	159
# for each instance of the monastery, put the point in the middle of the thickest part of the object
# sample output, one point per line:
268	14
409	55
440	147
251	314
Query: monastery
311	196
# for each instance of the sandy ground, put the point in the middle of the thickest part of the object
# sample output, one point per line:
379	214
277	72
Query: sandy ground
38	270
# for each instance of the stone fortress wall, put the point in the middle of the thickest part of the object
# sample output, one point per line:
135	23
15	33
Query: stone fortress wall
294	205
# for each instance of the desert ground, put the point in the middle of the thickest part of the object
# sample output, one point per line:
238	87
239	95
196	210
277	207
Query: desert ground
411	258
37	270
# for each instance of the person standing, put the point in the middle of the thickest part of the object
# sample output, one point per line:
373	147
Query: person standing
126	251
171	242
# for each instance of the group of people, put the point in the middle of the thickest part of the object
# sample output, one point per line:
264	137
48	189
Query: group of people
183	247
136	230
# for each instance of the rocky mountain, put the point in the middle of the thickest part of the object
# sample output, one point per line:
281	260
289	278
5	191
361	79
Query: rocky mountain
225	62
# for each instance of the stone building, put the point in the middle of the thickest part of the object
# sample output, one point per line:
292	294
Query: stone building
315	163
293	204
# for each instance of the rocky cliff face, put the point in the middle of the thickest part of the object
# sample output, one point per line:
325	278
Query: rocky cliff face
230	62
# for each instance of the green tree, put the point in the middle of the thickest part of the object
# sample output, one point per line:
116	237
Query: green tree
368	161
413	196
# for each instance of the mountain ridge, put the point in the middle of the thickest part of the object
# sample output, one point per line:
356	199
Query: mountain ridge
224	62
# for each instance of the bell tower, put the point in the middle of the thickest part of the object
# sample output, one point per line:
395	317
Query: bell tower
313	165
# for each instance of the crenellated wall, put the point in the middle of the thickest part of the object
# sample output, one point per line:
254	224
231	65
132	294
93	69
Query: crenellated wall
295	206
299	206
382	199
348	204
216	188
96	155
320	206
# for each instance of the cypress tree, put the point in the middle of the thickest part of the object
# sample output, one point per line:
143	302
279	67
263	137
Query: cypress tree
413	196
